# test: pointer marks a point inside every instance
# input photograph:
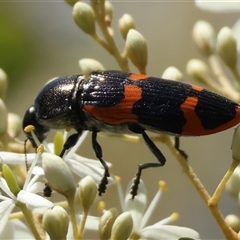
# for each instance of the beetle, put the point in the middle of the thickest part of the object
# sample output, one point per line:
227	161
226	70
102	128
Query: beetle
126	103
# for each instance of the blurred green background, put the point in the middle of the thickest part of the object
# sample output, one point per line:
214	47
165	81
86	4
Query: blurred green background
39	40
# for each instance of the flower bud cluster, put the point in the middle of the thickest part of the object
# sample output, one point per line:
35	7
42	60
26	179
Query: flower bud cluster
10	123
214	46
227	47
233	186
84	17
101	13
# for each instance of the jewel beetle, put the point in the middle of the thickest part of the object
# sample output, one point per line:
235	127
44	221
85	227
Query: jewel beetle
125	103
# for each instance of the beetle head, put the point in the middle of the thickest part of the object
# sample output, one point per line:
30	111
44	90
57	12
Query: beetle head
40	130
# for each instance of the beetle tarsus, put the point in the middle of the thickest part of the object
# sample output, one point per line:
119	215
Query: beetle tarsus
135	183
98	152
155	151
103	184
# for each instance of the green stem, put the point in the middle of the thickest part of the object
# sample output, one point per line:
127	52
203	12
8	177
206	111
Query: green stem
110	44
221	77
70	200
222	184
82	224
29	220
227	231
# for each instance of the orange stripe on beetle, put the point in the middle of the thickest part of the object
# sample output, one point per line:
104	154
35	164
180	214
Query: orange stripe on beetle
122	112
137	77
194	124
197	88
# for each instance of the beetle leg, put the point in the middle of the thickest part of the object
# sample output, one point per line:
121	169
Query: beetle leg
177	146
71	141
98	151
156	152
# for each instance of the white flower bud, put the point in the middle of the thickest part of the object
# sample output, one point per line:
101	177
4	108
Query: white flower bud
14	124
88	191
172	73
3	83
10	179
55	222
58	142
125	23
106	223
3	118
84	17
234	222
204	37
233	186
87	65
108	9
227	47
197	69
58	174
122	226
136	48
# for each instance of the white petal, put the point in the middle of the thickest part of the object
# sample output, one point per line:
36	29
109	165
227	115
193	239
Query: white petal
5	188
6	230
33	201
88	167
37	187
168	232
34	179
16	158
218	6
78	144
6	208
21	231
152	206
38	171
137	206
88	161
92	223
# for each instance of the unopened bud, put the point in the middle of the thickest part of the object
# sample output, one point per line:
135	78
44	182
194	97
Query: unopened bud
87	65
10	179
84	17
136	48
3	83
233	221
126	23
197	69
4	117
58	142
227	47
58	174
106	223
55	222
88	191
108	9
122	226
233	186
14	125
172	73
204	37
